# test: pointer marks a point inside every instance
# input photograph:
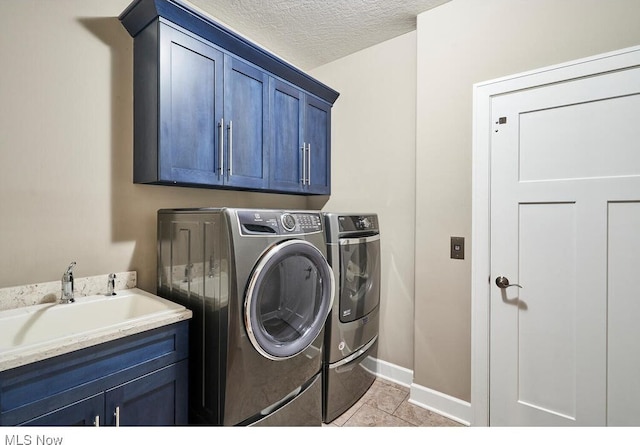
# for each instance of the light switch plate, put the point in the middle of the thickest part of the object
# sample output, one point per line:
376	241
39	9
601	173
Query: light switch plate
457	248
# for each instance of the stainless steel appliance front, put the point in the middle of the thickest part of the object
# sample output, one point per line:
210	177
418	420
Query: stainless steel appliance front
353	243
260	289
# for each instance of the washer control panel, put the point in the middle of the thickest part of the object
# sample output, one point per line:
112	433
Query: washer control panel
308	222
288	222
278	222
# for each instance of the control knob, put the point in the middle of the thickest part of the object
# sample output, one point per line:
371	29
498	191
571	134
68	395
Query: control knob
288	222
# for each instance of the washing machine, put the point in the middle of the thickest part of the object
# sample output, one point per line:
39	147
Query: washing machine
260	288
351	333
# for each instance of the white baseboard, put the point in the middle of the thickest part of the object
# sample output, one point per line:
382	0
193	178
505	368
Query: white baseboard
454	409
443	404
389	371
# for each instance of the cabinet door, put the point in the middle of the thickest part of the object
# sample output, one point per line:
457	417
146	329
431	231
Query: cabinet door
156	399
246	125
287	118
191	109
317	136
83	413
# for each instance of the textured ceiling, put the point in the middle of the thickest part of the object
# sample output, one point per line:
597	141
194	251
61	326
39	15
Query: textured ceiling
310	33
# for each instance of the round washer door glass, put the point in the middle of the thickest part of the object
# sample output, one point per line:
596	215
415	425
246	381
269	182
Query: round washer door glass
288	298
359	277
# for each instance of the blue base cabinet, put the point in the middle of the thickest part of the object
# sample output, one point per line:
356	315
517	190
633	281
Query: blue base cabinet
136	380
214	110
87	412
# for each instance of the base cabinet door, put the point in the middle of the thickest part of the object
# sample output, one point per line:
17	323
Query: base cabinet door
156	399
87	412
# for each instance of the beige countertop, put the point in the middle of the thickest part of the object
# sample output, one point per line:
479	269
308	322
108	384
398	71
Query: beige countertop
34	332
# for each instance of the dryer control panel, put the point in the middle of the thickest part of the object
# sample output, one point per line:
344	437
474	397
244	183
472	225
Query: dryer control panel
350	224
278	222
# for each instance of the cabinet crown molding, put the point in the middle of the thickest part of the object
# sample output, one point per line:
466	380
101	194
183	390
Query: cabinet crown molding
141	13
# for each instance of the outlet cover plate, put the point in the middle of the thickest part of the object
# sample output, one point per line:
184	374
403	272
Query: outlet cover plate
457	247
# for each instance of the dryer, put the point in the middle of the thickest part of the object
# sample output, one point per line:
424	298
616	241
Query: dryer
351	333
260	289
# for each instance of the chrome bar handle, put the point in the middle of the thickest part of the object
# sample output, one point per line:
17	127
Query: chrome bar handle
220	147
309	160
230	160
304	163
117	414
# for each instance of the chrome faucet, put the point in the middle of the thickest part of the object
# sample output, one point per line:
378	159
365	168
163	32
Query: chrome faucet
187	273
67	285
111	284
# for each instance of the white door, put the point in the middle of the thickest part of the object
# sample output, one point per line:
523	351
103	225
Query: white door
565	225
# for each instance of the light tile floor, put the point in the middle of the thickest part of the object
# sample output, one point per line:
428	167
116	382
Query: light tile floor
387	404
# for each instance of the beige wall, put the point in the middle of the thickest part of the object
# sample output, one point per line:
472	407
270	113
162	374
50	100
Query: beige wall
373	170
461	43
66	191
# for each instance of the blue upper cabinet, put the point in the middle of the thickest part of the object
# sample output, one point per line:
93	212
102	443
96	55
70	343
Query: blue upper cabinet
246	137
317	135
190	110
211	109
287	126
301	138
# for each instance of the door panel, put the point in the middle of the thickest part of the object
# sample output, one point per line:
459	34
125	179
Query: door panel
318	138
359	287
194	132
192	100
156	399
552	149
564	177
86	412
623	365
246	124
287	120
546	327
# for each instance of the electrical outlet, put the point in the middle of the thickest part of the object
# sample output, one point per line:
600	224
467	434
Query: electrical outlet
457	248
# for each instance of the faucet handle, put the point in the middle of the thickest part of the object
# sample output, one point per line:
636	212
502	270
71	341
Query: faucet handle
67	284
70	268
111	284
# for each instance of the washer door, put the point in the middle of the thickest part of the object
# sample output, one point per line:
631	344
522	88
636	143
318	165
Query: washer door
288	298
359	277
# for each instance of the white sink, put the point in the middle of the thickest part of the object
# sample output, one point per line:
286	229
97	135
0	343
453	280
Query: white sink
51	329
